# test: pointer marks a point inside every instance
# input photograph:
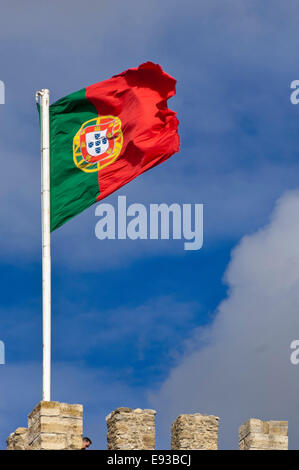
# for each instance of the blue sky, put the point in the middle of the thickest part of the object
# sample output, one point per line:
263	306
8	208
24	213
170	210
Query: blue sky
127	314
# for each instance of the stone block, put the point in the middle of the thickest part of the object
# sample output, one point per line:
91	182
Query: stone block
256	434
130	429
195	431
18	440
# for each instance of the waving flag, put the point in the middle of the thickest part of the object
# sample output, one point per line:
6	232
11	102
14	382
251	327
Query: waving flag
103	136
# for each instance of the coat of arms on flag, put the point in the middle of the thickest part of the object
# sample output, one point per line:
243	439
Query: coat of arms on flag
97	143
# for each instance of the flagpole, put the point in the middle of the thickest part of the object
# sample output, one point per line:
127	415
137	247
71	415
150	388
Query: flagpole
43	96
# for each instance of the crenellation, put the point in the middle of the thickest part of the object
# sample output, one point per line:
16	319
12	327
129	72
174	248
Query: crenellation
130	429
195	431
256	434
18	440
51	426
59	426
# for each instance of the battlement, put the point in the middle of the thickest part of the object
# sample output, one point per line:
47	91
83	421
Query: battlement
256	434
59	426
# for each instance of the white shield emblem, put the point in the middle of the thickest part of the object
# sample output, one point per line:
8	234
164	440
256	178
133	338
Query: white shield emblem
96	143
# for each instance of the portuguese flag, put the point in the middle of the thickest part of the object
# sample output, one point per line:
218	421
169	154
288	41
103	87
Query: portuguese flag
103	136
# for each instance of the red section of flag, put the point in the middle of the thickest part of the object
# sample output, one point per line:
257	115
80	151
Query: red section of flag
139	98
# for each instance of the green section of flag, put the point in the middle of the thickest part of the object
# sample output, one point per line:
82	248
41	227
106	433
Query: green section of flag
72	190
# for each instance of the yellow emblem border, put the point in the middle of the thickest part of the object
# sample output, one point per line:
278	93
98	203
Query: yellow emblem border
87	167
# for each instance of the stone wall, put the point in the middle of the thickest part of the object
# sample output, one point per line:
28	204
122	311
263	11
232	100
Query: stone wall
256	434
195	431
51	426
18	440
55	426
59	426
130	429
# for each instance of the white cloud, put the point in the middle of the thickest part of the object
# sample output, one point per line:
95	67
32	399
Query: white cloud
239	367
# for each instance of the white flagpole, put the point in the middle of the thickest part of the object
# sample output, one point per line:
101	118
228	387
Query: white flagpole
46	240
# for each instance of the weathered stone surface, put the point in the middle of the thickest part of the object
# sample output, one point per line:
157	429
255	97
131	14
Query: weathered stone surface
195	431
44	408
49	442
55	426
130	429
256	434
278	427
73	441
71	411
18	440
